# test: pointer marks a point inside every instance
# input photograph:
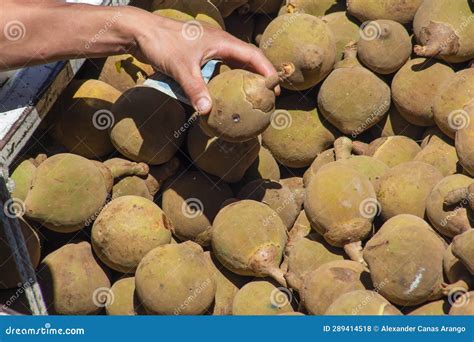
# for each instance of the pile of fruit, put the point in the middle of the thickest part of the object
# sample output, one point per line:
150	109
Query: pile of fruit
349	194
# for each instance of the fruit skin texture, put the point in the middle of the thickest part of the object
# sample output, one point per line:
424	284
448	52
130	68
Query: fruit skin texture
23	177
276	195
317	8
439	151
249	238
324	285
444	30
465	139
393	150
303	40
448	220
322	159
463	249
261	298
81	110
264	167
335	203
9	275
371	167
387	50
401	11
127	229
394	124
415	87
123	291
436	308
192	201
464	306
145	123
366	98
124	72
405	188
242	106
361	302
344	28
457	275
68	190
405	259
298	132
71	280
452	97
175	279
228	161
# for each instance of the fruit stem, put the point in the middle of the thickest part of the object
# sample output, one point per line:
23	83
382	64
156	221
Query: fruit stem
350	50
458	286
354	252
360	148
343	148
286	70
456	196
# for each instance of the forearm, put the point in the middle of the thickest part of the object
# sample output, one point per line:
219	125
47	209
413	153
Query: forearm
37	32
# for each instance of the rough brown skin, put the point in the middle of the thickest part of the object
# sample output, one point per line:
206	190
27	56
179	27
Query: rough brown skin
145	123
463	249
405	188
296	186
192	201
439	151
120	167
123	291
465	139
305	41
352	98
458	277
443	30
242	106
127	229
264	167
124	72
385	49
362	302
322	286
436	308
401	11
464	305
249	238
67	192
394	124
228	161
276	195
82	116
9	275
261	298
297	132
449	220
405	259
72	281
414	89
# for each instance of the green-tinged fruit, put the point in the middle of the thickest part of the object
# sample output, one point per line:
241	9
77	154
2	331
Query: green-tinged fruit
274	194
225	288
136	186
127	229
9	275
68	192
297	132
122	292
463	306
449	220
405	188
264	167
124	72
72	281
394	124
384	46
444	30
301	228
317	8
361	302
261	298
249	238
83	115
23	177
414	89
296	186
344	28
371	167
303	40
436	308
321	159
324	285
393	150
352	98
192	201
228	161
465	138
405	259
458	277
175	279
439	151
463	249
145	124
401	11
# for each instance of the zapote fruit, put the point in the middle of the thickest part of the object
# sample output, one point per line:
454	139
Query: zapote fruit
465	138
401	11
362	302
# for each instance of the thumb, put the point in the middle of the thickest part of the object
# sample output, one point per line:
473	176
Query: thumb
196	90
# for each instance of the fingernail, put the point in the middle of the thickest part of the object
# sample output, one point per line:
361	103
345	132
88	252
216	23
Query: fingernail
203	105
